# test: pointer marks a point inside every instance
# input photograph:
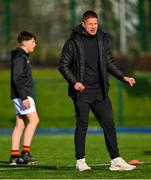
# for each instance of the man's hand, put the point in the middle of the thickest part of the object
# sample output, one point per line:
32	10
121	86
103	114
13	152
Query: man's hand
26	104
131	81
79	86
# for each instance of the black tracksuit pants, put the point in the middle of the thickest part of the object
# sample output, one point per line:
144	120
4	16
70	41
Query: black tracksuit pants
102	110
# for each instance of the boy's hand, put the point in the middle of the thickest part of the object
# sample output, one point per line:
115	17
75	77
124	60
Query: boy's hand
131	81
79	86
26	104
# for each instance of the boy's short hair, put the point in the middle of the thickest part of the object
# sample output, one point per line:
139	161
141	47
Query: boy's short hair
25	36
89	14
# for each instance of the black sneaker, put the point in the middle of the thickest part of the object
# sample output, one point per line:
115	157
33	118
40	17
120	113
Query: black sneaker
15	160
27	158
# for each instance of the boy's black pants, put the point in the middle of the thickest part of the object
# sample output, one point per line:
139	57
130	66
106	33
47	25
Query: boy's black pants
102	110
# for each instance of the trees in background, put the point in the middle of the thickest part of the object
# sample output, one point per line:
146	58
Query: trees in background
52	21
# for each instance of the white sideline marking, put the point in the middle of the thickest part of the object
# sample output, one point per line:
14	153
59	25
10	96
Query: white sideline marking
9	168
99	164
59	167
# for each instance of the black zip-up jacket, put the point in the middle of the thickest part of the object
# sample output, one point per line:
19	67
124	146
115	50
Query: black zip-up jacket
21	75
72	61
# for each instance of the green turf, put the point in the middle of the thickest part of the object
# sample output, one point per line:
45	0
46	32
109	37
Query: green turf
55	155
56	109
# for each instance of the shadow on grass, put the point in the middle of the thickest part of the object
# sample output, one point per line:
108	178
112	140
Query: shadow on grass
3	162
147	152
36	167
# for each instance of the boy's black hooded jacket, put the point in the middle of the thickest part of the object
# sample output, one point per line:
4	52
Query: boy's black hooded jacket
21	75
73	60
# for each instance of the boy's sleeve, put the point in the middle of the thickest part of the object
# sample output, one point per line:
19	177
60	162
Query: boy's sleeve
18	77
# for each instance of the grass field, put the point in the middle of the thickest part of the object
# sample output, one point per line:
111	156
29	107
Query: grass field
55	156
56	109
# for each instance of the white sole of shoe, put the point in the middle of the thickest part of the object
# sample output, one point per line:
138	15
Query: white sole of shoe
81	170
32	163
121	169
12	164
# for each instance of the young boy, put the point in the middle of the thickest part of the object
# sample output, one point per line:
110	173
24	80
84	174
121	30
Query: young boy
21	94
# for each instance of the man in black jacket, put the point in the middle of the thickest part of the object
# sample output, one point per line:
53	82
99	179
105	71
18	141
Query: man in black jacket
85	63
21	93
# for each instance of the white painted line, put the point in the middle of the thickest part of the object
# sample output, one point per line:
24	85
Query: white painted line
99	164
9	168
60	167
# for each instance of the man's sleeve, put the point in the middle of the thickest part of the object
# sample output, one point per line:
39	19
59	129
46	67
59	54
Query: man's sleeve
65	63
18	77
112	68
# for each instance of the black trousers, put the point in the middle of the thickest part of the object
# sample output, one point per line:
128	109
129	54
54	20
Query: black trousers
102	109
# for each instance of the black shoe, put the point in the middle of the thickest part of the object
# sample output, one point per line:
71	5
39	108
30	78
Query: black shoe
15	160
27	158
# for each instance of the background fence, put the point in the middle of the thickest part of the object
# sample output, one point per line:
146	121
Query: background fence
52	21
131	105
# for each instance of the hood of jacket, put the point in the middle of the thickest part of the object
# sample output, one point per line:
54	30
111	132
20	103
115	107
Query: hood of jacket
80	31
18	52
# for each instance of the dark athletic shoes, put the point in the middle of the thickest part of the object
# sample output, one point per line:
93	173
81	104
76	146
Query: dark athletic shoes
15	160
27	158
24	158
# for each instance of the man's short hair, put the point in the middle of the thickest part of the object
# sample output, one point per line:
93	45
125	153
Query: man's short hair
25	36
89	14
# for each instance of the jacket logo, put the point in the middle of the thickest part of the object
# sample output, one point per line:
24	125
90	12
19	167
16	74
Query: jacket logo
28	62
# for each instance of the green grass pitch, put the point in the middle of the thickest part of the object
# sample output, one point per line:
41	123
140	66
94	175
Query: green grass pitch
55	156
